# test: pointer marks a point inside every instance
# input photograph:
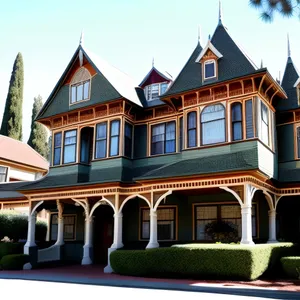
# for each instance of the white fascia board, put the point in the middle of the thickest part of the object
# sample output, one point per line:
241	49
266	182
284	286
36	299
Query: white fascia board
212	48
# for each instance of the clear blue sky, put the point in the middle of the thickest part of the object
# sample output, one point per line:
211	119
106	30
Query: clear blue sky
128	34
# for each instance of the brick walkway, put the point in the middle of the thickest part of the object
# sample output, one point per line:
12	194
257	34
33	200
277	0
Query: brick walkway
94	273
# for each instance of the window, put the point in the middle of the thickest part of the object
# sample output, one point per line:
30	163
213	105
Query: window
163	138
101	140
70	146
69	227
249	120
153	91
57	149
192	129
298	142
114	137
128	140
213	124
80	91
166	224
226	212
236	121
181	138
3	174
209	69
264	123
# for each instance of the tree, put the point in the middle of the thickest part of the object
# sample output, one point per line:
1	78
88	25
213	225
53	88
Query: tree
12	116
286	8
38	135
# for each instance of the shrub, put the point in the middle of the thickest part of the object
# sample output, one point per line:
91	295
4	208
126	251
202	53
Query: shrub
291	266
14	261
10	248
222	231
14	225
197	260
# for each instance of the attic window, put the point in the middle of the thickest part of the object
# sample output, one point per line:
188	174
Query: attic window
209	69
153	91
80	86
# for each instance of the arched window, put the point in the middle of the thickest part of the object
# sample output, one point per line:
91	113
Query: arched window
236	121
213	124
191	129
80	86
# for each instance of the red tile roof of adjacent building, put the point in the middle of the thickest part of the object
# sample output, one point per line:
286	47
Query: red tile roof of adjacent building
21	153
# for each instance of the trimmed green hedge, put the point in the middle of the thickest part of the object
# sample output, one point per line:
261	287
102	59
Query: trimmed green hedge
10	248
291	266
14	225
201	260
14	261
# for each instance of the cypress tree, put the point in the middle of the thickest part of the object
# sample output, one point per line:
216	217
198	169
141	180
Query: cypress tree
38	135
12	117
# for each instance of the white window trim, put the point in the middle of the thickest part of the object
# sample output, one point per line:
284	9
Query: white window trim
159	88
215	68
7	174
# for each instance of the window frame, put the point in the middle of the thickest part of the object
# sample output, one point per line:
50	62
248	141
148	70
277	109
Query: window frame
126	137
54	147
189	113
262	106
76	85
113	136
5	174
210	61
162	207
146	90
297	141
241	121
64	146
219	205
164	140
74	226
100	139
225	124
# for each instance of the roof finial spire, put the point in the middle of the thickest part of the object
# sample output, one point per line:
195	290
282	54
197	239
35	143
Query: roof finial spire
199	34
220	13
261	64
153	62
289	46
81	38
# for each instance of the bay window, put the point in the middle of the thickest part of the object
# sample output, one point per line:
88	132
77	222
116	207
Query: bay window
264	123
236	121
128	140
3	174
57	149
166	224
192	129
114	138
213	124
163	138
70	141
101	140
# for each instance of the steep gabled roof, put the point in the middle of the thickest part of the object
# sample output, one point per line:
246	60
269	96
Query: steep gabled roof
164	76
233	63
289	79
21	153
115	83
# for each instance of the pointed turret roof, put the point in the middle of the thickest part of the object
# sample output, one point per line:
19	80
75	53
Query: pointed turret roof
233	63
289	82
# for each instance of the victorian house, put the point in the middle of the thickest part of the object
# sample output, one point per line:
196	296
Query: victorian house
149	165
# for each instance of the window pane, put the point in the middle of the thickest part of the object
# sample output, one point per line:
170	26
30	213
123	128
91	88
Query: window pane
163	88
170	137
100	149
192	120
206	212
165	230
249	120
73	94
230	211
264	123
209	69
57	140
213	112
158	136
264	113
298	141
86	89
3	174
154	91
79	92
237	131
128	139
213	132
236	112
57	153
114	146
101	131
181	139
115	127
69	154
70	137
192	138
146	230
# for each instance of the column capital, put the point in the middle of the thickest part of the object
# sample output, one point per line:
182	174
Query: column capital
153	213
118	215
272	212
246	208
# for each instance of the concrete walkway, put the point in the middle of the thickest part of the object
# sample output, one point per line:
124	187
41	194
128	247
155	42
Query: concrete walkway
93	275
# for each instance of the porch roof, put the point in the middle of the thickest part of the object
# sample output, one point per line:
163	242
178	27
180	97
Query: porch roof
9	190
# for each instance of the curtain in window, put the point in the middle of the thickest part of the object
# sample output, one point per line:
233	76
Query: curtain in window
192	129
170	137
158	137
114	137
57	149
70	146
213	124
236	119
264	123
101	130
249	120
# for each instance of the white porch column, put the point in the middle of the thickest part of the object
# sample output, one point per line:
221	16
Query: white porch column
60	224
30	233
153	230
87	248
247	225
118	223
272	226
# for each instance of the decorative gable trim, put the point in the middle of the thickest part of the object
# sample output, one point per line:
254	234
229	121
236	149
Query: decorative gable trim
297	82
212	49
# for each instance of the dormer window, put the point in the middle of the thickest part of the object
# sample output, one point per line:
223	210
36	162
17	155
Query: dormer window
153	91
80	86
209	69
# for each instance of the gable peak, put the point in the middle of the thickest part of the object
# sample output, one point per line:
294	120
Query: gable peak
212	48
